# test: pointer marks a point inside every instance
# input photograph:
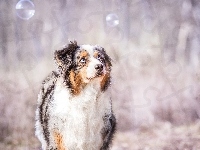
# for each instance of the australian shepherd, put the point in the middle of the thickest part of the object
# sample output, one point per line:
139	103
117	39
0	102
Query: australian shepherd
74	110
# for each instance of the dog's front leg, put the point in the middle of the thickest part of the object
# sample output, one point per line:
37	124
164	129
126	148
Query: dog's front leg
108	131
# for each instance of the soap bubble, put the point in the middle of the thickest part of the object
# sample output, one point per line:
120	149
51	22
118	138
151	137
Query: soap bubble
25	9
112	20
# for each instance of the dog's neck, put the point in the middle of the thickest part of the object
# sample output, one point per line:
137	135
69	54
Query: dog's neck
77	87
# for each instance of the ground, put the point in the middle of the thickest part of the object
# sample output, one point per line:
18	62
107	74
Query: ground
160	136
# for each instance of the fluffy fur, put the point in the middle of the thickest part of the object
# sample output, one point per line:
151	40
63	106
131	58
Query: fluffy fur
74	110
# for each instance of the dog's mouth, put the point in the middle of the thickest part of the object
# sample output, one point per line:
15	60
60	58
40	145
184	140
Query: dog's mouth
97	75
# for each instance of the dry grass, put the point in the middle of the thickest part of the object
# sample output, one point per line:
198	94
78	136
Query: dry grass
160	136
18	98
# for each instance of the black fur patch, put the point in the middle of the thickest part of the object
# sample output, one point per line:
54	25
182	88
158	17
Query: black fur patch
107	58
64	60
47	95
108	130
107	84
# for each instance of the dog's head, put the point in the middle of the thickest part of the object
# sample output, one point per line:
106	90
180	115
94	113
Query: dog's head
80	65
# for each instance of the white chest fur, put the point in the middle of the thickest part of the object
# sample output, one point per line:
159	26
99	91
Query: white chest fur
80	118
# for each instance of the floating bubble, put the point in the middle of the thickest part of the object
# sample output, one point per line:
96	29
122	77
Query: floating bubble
25	9
112	20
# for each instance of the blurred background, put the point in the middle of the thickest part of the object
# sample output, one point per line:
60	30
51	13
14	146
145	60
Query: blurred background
155	51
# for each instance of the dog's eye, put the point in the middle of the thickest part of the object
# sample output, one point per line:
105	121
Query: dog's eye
83	60
99	57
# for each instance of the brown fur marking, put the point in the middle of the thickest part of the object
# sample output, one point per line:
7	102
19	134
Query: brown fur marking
76	81
59	141
83	53
104	80
105	77
95	54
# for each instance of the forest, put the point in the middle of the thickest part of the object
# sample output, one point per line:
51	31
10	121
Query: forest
155	50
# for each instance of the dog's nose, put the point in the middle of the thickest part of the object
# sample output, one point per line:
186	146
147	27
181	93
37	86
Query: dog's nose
99	67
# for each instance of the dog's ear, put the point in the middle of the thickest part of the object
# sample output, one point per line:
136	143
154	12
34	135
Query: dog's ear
107	58
64	57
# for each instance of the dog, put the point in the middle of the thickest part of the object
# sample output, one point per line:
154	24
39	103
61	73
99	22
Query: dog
74	109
